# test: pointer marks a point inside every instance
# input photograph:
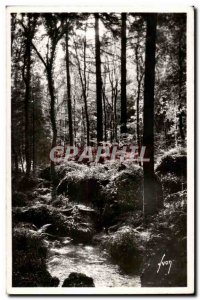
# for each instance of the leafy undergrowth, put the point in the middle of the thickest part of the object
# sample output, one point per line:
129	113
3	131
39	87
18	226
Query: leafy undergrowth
125	247
168	242
29	259
102	204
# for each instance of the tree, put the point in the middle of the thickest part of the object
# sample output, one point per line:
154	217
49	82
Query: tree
123	75
98	81
55	31
84	82
69	104
148	130
29	23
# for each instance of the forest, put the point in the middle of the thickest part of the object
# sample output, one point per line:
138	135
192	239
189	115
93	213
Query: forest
99	80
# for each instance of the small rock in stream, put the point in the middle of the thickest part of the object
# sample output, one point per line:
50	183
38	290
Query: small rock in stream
78	280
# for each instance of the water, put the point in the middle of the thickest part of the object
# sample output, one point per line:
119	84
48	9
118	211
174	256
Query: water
91	261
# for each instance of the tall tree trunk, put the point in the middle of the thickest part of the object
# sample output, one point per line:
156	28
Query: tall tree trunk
52	117
75	119
138	113
148	130
98	81
33	137
27	79
69	104
84	87
123	75
139	80
115	114
85	95
105	117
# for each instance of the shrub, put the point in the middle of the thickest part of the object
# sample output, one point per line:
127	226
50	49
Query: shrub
43	214
29	260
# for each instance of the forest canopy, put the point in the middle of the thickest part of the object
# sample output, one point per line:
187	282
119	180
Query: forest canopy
79	78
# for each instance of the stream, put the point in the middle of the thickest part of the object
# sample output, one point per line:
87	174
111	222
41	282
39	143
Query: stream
91	261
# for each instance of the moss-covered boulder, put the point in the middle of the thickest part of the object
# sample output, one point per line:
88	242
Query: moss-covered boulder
125	248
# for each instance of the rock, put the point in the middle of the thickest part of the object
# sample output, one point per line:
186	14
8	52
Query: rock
123	194
82	233
78	280
125	248
174	162
80	189
54	282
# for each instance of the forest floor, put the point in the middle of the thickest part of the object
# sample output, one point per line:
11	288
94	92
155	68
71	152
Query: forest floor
93	229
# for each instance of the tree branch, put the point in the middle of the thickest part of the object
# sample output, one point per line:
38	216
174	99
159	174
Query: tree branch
39	55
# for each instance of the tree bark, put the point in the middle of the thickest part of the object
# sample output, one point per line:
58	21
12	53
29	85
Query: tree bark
69	104
123	75
52	116
98	81
148	130
27	79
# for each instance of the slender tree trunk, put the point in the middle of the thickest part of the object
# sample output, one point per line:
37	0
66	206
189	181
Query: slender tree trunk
84	88
123	75
27	78
105	117
52	117
138	113
83	122
115	115
98	81
75	119
33	137
148	130
139	80
69	104
85	96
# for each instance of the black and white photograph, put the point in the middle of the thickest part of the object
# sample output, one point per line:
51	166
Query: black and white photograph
100	190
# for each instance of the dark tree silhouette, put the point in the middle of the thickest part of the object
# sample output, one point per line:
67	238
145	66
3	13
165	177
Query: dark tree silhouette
29	30
69	102
98	81
148	130
123	75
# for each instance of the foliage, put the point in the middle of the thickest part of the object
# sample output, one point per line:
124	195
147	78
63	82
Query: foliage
29	265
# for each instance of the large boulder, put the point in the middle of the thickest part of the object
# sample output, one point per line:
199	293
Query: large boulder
125	248
124	193
78	280
173	162
172	171
80	189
